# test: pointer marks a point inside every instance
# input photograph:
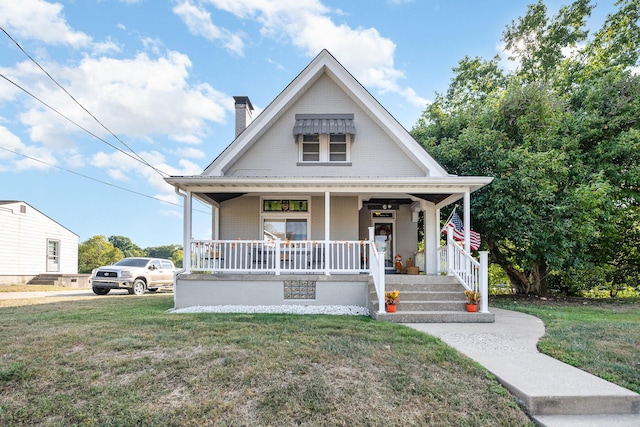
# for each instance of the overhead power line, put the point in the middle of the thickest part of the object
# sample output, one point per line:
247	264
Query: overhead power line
95	179
75	123
138	157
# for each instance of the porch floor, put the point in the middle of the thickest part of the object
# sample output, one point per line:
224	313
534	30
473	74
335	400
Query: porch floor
427	299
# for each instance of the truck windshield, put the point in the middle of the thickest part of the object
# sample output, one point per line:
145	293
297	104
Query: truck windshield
132	262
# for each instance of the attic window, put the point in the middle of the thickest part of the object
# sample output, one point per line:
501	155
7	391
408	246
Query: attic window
324	138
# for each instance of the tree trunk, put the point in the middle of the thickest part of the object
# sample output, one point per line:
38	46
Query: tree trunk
523	281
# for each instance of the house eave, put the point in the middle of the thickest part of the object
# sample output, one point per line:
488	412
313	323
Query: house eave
406	185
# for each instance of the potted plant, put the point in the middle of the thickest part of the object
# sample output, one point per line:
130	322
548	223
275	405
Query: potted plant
473	297
391	298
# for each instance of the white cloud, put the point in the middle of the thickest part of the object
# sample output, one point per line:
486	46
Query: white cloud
39	20
16	156
10	142
124	168
105	47
189	152
308	25
198	21
135	97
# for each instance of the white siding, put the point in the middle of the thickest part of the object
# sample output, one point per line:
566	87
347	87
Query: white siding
23	242
373	153
240	219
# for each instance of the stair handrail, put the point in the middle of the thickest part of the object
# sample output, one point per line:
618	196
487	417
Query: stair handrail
471	273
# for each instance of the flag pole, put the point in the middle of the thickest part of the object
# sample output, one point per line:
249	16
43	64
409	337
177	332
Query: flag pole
446	224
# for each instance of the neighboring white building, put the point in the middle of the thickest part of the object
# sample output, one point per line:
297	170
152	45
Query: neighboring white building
32	244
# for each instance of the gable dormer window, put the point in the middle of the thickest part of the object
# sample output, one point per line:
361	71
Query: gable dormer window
324	138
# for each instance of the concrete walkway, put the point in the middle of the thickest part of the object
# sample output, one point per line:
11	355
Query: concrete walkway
553	393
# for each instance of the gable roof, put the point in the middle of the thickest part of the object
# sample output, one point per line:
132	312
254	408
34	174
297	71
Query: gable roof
21	202
325	63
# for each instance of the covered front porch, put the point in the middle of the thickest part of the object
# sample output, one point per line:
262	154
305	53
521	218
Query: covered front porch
339	239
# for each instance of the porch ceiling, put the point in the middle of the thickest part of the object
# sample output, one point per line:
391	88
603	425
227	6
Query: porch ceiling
433	189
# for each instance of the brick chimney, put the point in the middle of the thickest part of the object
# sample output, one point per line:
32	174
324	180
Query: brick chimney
243	113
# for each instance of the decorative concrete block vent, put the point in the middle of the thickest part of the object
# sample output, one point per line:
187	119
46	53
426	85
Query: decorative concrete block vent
299	289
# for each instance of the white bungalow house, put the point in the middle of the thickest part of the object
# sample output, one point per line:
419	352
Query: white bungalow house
32	244
313	201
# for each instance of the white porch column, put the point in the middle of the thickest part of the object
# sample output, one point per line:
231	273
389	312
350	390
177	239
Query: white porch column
187	231
327	216
215	222
484	281
327	230
431	237
467	221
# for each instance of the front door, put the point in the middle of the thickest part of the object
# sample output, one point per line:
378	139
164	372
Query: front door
53	256
383	238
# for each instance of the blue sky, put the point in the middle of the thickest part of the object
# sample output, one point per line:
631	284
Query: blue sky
161	74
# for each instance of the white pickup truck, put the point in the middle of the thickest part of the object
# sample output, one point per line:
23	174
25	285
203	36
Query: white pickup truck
136	275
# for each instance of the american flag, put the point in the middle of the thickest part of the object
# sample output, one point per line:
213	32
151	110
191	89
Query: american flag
458	231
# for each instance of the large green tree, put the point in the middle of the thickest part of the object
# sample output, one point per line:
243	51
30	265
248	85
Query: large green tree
172	252
560	135
128	248
95	252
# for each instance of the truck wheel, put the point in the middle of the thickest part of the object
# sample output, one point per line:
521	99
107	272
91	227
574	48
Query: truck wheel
101	291
139	287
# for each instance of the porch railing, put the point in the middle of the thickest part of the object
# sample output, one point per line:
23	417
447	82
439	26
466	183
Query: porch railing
471	273
280	256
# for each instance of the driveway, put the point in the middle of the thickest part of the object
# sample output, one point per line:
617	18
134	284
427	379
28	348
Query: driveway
55	294
15	299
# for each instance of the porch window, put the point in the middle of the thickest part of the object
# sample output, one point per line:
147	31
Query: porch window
285	218
285	228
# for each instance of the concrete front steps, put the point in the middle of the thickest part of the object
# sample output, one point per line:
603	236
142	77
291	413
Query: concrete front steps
63	280
427	299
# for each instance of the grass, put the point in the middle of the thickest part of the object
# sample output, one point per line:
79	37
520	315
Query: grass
120	361
598	336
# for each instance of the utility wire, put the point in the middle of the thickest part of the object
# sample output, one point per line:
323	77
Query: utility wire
73	122
95	179
140	158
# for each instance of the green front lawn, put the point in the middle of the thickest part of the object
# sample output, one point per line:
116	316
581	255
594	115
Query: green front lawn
123	361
